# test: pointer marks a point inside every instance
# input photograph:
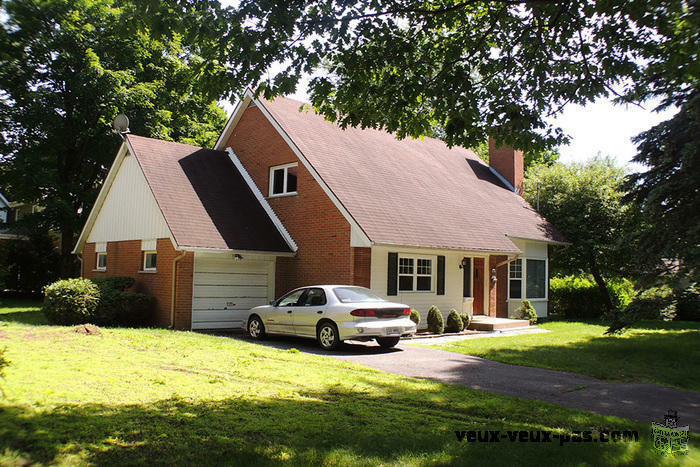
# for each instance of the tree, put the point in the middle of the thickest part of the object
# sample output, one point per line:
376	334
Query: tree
669	190
586	203
482	68
67	68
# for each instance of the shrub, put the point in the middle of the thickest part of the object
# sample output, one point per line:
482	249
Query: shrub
436	323
651	303
688	307
71	301
526	311
120	283
136	309
466	319
415	317
578	297
454	322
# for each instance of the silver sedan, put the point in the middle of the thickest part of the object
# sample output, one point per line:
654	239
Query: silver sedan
332	314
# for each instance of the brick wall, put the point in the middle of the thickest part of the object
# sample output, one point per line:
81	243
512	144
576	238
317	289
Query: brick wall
125	259
498	292
316	225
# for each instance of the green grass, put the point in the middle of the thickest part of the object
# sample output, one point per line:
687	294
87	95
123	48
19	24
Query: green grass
136	396
653	351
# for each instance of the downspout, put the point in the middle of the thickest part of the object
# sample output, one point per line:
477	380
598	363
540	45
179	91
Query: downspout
172	297
80	258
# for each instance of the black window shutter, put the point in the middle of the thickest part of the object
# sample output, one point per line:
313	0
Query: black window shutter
393	274
441	275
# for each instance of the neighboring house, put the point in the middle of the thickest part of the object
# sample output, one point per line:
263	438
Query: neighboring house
10	214
287	199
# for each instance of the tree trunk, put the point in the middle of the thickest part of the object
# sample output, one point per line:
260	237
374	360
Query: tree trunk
68	259
605	294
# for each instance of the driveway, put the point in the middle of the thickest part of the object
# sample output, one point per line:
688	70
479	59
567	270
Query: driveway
641	402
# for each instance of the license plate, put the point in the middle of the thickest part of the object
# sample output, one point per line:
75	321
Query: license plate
393	331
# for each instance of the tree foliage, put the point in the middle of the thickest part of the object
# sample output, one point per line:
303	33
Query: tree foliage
474	68
669	190
67	68
586	203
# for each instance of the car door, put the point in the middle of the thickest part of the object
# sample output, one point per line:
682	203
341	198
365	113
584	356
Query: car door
281	317
310	309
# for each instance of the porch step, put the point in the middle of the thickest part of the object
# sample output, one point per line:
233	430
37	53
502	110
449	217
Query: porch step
488	323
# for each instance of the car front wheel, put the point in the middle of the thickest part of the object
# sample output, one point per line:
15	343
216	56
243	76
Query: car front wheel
256	328
327	335
387	342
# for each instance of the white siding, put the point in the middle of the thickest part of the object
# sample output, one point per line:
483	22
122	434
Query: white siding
533	250
130	211
422	301
225	289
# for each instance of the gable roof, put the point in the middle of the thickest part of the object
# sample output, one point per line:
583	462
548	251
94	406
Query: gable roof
410	192
205	200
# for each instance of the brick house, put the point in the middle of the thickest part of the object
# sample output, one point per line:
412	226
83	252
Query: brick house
288	199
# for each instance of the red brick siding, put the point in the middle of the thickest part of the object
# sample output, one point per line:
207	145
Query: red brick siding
316	225
362	263
498	306
125	258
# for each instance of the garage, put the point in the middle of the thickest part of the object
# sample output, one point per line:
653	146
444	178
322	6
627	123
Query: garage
226	287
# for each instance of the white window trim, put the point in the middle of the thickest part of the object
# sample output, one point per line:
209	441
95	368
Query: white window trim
415	275
97	261
523	281
146	253
286	167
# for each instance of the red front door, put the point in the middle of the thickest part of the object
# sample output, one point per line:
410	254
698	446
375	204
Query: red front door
478	287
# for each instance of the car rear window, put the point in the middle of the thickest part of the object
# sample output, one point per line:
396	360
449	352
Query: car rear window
356	294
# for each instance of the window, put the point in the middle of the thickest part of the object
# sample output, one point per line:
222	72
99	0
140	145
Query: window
291	299
283	180
515	275
415	274
536	278
356	294
101	262
149	260
314	297
3	216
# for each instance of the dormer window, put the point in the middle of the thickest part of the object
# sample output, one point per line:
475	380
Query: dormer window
283	180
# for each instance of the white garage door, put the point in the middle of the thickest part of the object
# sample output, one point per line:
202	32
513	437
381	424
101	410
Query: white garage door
225	290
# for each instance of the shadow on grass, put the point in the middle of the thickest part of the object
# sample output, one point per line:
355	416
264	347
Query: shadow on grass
336	426
32	317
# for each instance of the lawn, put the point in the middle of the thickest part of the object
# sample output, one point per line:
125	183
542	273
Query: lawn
653	351
136	396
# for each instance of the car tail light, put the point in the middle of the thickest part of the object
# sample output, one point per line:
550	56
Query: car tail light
363	312
406	311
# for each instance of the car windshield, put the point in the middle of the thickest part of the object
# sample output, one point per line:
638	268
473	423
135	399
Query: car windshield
356	294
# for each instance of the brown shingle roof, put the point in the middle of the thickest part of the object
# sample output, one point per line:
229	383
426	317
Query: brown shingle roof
412	192
205	200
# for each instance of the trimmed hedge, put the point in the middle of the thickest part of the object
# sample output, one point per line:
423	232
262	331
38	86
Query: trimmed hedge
688	307
436	323
578	297
104	302
454	322
466	319
71	301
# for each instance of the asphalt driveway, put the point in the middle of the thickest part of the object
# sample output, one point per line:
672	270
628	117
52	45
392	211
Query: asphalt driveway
641	402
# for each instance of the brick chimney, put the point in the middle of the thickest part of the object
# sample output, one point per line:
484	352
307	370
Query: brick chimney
509	163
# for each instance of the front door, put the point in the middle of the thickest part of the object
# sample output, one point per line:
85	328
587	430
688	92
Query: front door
478	286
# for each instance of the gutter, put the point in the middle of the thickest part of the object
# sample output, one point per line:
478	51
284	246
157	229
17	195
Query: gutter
174	288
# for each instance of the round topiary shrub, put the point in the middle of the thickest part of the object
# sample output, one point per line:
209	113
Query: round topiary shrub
466	319
71	301
415	317
436	323
527	311
454	322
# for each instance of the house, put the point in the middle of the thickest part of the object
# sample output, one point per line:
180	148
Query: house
286	199
10	214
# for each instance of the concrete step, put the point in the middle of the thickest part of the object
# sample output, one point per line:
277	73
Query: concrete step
488	323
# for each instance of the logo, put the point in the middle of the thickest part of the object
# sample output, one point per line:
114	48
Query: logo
669	438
